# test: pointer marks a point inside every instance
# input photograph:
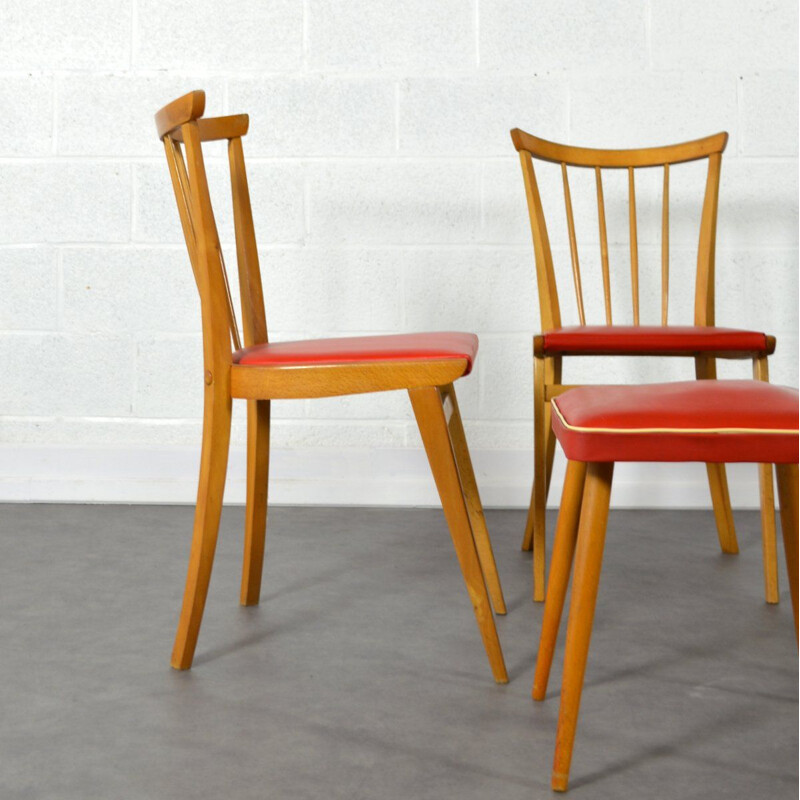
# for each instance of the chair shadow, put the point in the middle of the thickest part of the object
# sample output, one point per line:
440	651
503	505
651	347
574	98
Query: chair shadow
317	579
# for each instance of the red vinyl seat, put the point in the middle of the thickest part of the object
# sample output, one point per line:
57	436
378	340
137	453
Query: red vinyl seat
710	421
652	339
361	349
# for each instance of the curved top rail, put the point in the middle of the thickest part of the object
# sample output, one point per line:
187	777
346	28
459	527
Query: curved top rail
618	159
180	111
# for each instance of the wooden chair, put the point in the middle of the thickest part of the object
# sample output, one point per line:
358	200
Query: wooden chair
702	341
426	365
711	421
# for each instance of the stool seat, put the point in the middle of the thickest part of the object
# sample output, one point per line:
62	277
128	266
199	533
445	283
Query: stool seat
709	421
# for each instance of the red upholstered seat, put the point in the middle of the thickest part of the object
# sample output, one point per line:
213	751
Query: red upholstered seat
711	421
669	339
362	349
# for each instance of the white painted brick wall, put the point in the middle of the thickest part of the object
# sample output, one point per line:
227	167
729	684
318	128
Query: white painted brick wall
387	198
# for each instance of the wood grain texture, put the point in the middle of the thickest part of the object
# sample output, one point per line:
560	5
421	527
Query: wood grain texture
705	369
769	533
706	252
634	241
561	565
183	132
180	111
333	380
213	129
665	248
618	159
549	310
255	512
469	485
601	221
429	412
210	488
573	246
588	562
254	320
710	148
536	513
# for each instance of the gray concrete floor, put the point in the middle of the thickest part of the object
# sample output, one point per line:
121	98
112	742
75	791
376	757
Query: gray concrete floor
362	674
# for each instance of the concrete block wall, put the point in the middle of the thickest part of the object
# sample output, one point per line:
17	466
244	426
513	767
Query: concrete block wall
387	198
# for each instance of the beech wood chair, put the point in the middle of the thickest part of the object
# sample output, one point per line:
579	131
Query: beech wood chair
426	365
711	421
701	341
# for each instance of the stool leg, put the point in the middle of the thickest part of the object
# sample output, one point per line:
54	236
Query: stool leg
787	492
588	561
769	537
706	369
560	567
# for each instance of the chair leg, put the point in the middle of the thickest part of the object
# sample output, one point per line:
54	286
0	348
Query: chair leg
549	449
429	411
255	522
769	534
787	492
706	369
588	561
560	567
477	518
552	376
213	466
531	522
534	526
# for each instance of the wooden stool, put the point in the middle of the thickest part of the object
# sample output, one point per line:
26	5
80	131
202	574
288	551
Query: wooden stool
715	422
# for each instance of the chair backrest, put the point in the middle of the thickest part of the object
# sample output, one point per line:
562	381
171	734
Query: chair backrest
531	147
182	129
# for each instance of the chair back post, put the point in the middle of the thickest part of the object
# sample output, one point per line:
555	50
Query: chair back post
215	302
531	147
549	309
254	320
706	248
183	130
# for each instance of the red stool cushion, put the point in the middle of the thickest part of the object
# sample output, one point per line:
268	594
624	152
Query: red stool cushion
363	349
633	339
711	421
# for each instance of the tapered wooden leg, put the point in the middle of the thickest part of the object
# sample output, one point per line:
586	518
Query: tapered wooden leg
560	566
430	414
706	369
477	519
213	466
552	376
787	493
769	534
255	521
538	447
549	449
534	526
588	561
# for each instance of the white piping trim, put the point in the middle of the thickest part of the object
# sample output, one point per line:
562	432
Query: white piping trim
667	430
